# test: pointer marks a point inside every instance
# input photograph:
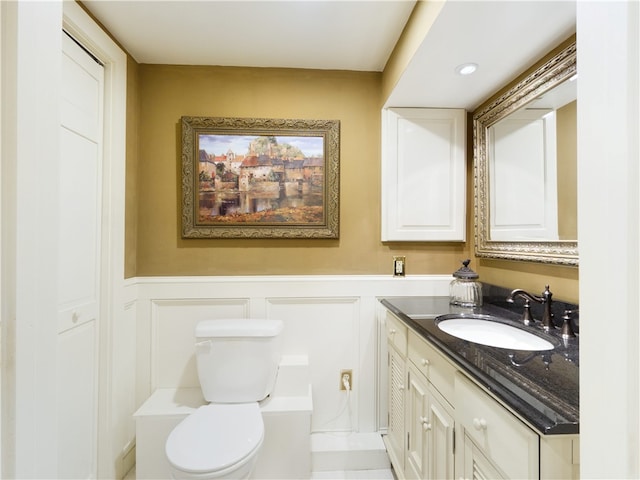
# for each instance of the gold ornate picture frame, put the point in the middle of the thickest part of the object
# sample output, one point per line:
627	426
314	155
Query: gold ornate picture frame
260	178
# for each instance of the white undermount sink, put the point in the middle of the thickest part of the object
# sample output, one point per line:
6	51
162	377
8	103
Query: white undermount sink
491	333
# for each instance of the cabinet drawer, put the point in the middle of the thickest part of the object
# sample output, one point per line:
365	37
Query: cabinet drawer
504	439
432	364
396	333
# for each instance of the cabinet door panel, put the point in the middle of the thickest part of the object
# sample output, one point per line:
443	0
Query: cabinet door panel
395	432
423	174
441	423
476	465
430	428
417	414
508	442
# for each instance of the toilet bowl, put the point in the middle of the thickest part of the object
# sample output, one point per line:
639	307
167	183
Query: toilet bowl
237	362
216	441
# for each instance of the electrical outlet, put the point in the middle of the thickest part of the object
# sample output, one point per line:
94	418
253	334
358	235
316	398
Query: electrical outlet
399	264
348	376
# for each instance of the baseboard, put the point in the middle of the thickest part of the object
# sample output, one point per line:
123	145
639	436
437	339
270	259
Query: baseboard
348	451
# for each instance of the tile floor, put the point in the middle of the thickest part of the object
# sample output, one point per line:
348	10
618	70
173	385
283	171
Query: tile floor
333	475
354	475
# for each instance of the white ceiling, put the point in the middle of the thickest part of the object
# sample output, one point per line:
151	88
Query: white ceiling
503	37
325	34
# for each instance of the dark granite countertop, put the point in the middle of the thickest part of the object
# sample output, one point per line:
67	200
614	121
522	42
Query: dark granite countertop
542	387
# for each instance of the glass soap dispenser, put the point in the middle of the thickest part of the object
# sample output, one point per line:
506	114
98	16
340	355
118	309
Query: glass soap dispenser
465	290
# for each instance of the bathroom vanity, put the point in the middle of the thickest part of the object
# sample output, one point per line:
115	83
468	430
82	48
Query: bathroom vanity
459	409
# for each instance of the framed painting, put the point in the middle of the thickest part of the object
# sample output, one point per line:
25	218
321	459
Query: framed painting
260	178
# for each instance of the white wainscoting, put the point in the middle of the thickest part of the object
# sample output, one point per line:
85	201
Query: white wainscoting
334	320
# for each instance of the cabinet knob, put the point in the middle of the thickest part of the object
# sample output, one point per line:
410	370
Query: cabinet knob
424	362
426	426
392	331
75	317
401	387
479	424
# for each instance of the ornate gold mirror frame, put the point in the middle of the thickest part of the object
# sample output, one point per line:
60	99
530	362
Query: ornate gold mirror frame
559	67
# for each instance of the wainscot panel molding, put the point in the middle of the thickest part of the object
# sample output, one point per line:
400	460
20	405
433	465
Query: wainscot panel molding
335	320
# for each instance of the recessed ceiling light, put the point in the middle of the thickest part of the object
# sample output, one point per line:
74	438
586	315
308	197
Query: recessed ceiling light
466	68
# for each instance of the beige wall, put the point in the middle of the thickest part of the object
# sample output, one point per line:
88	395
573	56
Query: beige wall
160	95
131	180
568	171
168	92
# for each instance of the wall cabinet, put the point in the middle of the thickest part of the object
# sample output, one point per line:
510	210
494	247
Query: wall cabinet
442	425
423	174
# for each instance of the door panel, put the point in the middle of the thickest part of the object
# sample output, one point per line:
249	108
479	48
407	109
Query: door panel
77	359
79	231
79	256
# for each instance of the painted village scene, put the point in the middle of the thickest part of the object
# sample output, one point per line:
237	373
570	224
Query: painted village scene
261	179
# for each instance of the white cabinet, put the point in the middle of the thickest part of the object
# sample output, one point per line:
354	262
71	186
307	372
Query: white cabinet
442	425
423	174
430	430
420	436
430	421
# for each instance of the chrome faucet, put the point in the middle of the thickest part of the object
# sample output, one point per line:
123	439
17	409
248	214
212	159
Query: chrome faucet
544	299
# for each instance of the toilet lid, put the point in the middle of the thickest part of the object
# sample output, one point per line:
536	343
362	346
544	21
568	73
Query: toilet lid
215	437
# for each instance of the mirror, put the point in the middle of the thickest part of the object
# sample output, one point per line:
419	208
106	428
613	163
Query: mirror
525	166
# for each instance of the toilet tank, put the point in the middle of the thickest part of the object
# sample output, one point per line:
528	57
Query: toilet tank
237	359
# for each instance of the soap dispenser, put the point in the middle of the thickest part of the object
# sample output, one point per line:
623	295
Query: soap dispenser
465	290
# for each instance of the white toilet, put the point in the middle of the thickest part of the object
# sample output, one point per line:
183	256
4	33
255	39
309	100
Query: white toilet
237	363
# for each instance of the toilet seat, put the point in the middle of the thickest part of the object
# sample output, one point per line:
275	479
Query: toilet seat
215	438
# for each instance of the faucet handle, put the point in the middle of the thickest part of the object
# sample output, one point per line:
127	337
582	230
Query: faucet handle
567	328
527	318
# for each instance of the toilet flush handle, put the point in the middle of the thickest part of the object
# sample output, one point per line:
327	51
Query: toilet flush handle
205	344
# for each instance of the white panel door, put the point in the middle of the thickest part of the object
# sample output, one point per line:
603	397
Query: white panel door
423	174
80	205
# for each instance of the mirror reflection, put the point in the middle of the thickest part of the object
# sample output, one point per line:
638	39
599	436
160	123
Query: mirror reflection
532	169
525	166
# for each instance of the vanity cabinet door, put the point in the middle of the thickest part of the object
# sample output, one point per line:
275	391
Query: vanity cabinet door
442	431
417	413
511	446
395	438
423	174
430	430
476	465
